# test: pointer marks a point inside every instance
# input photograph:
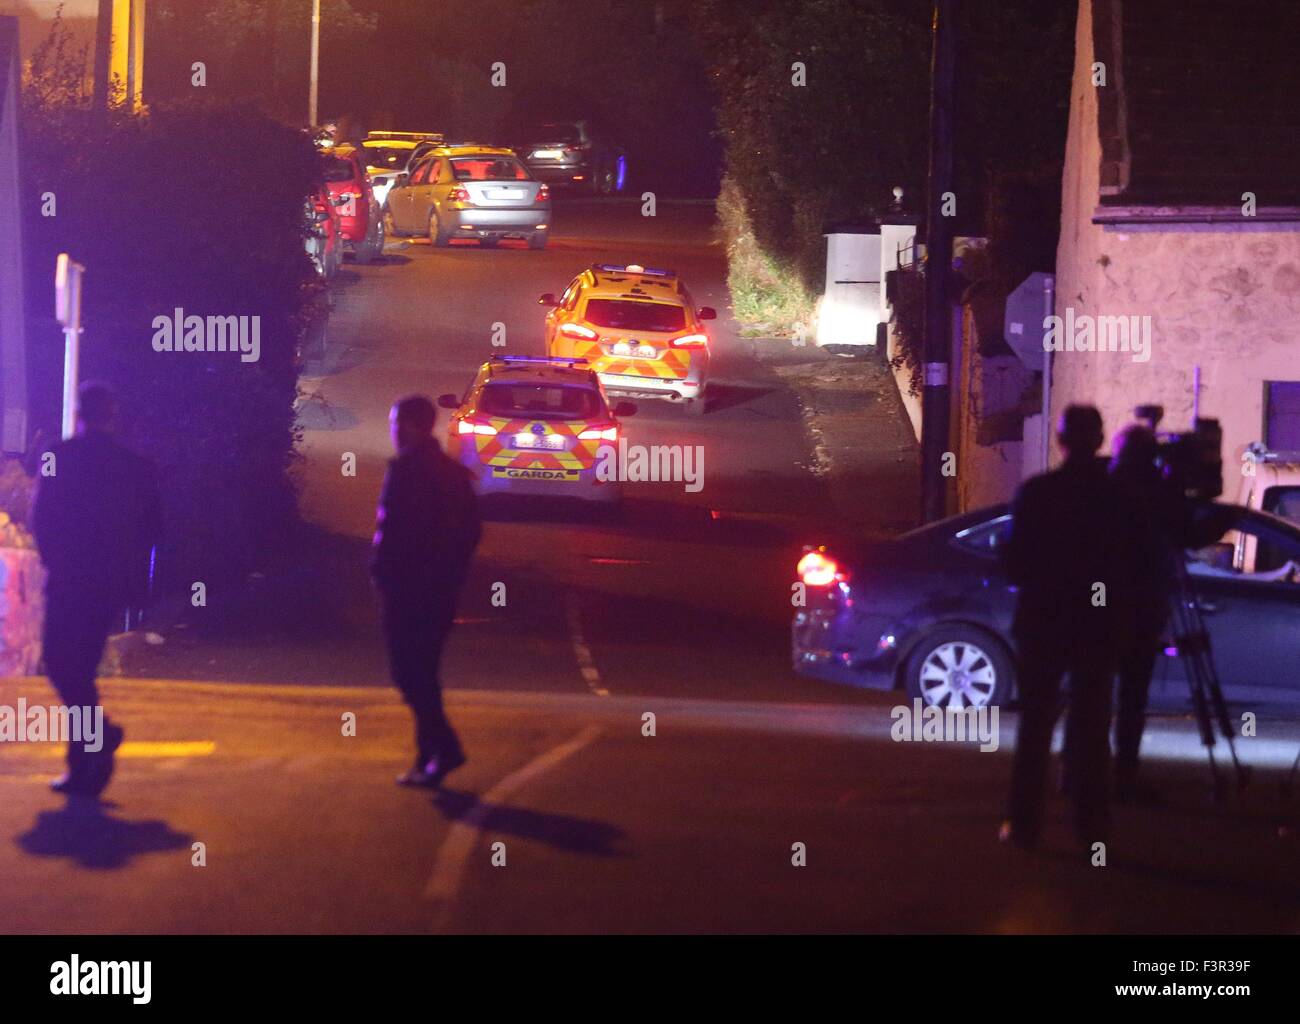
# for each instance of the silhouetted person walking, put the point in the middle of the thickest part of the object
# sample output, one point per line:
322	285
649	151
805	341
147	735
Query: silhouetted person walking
96	516
1066	554
428	527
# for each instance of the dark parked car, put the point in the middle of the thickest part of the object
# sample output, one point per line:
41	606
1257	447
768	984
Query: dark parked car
930	613
572	154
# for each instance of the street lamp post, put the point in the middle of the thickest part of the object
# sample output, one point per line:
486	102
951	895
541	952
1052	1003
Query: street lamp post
315	60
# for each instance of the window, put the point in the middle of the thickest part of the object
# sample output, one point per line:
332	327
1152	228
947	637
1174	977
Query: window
420	176
1282	415
985	538
540	401
489	168
1277	553
388	158
1283	502
336	169
634	315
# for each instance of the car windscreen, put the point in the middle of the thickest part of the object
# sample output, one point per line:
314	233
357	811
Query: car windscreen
634	315
389	158
488	168
336	169
540	401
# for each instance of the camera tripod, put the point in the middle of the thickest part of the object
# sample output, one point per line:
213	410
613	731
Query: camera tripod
1193	642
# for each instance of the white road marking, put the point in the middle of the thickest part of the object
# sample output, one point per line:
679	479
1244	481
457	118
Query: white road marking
464	834
586	663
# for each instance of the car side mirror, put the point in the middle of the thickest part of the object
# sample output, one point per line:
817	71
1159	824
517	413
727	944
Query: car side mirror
448	402
708	313
401	180
322	216
625	409
548	300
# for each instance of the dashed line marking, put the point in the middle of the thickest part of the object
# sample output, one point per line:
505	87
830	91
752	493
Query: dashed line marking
586	663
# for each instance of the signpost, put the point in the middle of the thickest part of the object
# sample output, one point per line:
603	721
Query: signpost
67	310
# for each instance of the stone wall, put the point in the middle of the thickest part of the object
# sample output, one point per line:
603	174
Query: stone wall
22	606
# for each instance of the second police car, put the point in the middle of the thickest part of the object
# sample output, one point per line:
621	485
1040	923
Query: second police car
637	327
535	425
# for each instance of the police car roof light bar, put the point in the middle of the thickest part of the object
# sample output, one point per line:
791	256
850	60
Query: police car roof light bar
614	268
567	360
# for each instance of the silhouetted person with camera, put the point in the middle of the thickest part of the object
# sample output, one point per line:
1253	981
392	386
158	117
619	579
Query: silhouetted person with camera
1165	524
96	516
428	527
1066	555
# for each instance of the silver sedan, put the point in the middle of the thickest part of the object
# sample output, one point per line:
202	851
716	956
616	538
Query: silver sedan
469	191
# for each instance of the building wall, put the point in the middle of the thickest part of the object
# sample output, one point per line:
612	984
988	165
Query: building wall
984	387
1221	297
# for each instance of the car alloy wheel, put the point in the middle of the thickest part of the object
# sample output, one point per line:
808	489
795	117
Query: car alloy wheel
959	667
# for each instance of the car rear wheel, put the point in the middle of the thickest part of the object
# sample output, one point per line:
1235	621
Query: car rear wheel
695	406
959	667
437	236
537	240
489	243
373	245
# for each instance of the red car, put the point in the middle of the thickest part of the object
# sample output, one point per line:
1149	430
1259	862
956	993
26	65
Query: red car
361	223
324	232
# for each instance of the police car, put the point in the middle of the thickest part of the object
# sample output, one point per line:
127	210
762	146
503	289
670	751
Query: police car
537	425
637	327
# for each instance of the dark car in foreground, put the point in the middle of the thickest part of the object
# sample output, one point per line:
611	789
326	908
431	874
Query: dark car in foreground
930	613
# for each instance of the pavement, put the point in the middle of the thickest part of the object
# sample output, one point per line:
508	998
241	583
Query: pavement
247	809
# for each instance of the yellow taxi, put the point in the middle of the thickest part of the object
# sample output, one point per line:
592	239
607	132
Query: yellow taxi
638	328
537	425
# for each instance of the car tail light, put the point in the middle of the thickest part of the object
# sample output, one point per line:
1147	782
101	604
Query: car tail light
473	426
578	331
600	432
459	194
543	194
690	341
818	569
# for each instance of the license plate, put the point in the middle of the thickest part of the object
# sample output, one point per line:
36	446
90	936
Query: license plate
569	475
348	209
510	193
546	154
545	442
632	348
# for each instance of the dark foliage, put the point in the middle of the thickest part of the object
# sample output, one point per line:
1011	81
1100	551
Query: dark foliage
198	207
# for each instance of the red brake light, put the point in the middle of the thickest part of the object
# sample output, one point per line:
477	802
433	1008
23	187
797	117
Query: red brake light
543	193
459	194
578	331
817	569
690	341
472	426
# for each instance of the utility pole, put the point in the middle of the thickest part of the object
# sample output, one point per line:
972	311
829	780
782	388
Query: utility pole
315	61
938	265
103	61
